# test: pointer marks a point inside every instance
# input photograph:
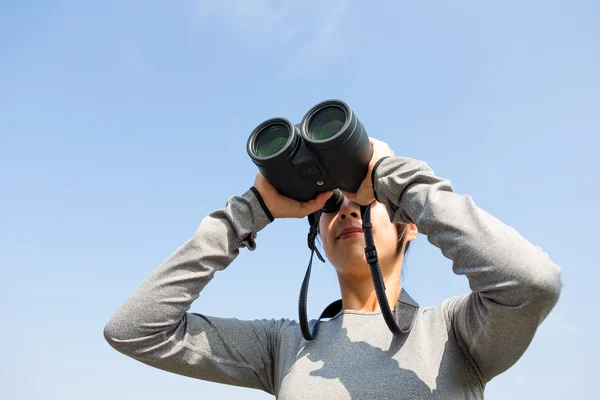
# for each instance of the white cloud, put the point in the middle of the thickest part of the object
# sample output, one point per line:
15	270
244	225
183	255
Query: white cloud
255	17
327	45
310	30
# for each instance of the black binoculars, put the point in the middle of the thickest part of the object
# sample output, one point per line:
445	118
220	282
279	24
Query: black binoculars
329	149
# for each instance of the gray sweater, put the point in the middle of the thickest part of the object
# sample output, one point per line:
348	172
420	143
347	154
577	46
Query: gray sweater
451	351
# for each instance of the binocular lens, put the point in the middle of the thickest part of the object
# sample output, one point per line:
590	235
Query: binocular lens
271	140
329	149
326	123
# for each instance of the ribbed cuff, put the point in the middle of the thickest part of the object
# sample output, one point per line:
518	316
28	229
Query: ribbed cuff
373	175
262	203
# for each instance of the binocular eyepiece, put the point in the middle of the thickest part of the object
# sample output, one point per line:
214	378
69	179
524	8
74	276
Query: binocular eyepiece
329	149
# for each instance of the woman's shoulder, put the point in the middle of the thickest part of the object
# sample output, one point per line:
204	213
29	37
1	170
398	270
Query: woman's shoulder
442	313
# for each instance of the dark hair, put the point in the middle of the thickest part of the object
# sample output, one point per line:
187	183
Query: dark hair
402	229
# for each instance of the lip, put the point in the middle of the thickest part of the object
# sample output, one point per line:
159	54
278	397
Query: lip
350	232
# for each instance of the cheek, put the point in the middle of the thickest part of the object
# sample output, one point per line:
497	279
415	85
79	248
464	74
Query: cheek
386	239
325	230
386	235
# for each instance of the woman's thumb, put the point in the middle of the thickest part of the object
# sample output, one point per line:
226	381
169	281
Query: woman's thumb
323	197
317	203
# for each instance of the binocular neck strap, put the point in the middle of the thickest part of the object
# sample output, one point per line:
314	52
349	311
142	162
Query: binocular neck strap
312	235
372	260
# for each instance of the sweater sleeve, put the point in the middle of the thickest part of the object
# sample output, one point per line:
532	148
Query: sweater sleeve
514	284
154	326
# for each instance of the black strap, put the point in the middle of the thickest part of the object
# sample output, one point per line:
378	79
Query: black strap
373	260
302	302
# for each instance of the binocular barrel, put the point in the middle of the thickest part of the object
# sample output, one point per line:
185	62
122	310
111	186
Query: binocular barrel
329	149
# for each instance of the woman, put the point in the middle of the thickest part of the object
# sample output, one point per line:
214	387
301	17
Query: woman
450	351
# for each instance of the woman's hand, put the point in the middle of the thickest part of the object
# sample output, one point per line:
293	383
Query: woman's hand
365	194
282	206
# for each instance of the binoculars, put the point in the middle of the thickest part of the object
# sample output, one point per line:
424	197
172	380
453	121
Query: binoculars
329	149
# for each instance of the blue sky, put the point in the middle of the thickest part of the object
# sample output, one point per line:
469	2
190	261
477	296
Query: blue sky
124	123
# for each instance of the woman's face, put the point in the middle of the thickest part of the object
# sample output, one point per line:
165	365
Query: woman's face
343	238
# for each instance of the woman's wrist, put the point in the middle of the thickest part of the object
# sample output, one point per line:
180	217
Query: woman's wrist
262	203
373	172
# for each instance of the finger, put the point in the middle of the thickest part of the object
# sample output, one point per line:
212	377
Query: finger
317	203
307	208
323	197
285	203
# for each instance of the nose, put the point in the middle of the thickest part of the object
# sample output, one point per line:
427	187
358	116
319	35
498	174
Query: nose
349	209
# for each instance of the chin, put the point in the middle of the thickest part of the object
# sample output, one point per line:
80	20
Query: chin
348	255
353	263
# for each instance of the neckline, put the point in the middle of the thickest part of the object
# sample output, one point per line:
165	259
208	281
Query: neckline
405	310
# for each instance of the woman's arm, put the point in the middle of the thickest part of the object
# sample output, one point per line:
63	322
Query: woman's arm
154	327
514	284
